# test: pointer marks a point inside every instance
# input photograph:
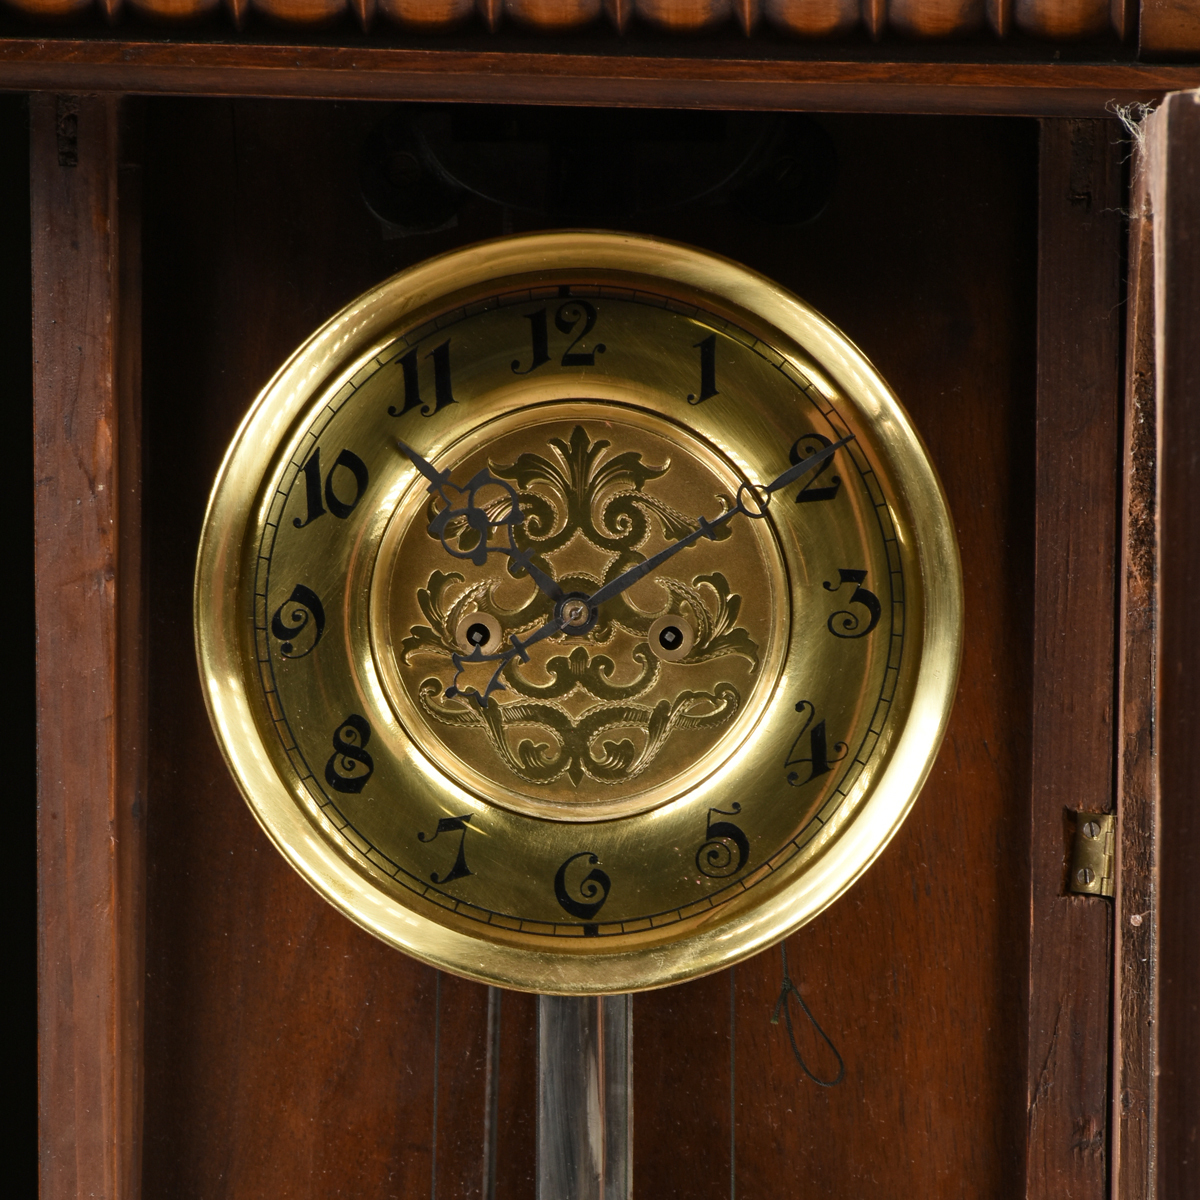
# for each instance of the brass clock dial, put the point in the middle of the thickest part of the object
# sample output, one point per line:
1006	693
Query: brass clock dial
578	612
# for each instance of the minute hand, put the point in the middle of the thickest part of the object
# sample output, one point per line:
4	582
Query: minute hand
705	529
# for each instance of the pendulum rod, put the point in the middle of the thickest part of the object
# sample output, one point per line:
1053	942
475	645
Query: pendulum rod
585	1098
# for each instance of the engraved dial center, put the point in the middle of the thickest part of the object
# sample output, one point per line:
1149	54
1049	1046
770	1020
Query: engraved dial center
512	679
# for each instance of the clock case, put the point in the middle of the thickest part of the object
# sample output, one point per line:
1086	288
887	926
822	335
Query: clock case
209	1024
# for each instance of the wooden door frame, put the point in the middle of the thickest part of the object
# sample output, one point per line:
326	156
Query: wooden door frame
1092	534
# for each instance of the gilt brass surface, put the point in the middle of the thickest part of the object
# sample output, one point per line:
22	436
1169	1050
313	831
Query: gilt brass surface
443	733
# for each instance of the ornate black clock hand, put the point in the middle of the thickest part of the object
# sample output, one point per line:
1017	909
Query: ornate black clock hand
479	520
705	528
576	611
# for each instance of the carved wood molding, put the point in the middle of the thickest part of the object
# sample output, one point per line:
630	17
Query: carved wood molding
1168	21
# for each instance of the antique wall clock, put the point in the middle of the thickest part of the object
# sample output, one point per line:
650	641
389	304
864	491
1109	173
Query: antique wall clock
578	612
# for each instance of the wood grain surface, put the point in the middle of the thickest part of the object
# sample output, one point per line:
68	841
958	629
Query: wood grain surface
917	973
1175	182
1071	744
1134	1100
374	73
288	1050
1169	29
90	693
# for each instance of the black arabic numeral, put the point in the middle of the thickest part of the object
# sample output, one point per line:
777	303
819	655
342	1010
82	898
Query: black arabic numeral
443	392
594	883
541	343
341	509
818	760
806	447
851	623
708	370
715	858
350	766
452	825
565	321
292	617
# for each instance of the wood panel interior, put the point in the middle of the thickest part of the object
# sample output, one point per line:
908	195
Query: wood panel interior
290	1054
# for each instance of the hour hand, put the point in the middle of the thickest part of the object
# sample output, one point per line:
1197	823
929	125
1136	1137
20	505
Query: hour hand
479	519
438	479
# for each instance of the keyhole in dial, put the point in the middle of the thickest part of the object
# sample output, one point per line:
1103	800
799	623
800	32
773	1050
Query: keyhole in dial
479	631
670	637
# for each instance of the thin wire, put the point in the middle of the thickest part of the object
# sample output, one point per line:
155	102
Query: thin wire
781	1005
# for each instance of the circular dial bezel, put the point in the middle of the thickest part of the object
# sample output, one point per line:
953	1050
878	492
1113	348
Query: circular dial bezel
700	942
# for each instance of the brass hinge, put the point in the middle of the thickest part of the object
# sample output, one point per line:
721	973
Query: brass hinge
1093	856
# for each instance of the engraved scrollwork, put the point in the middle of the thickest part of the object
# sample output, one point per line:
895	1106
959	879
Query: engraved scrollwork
584	713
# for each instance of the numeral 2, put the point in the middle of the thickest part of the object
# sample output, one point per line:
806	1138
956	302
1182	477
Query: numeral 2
451	825
806	447
443	394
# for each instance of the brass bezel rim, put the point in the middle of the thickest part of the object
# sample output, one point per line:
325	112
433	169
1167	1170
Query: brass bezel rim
230	514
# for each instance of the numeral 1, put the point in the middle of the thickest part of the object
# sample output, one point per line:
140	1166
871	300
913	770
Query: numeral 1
708	370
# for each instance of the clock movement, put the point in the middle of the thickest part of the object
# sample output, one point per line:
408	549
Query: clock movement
578	612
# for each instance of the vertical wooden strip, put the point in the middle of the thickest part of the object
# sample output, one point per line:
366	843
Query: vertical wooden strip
88	595
491	1089
1135	941
462	1094
682	1139
1175	151
516	1109
1072	735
